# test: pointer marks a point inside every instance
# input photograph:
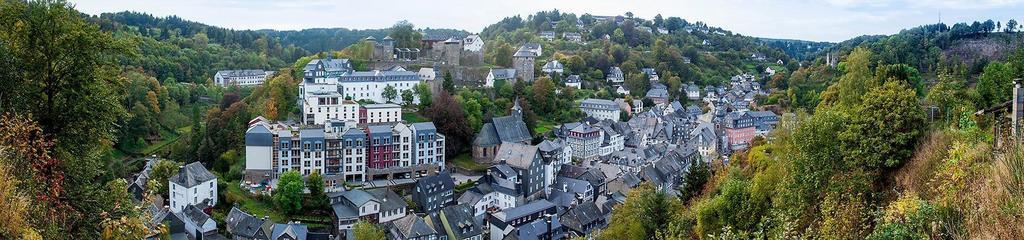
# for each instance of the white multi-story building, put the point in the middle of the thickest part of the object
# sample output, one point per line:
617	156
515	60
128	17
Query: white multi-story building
600	109
585	141
319	107
193	185
381	113
259	155
403	144
343	152
241	77
339	76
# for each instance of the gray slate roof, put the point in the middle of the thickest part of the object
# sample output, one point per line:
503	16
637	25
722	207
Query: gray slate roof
529	208
503	73
192	174
517	155
295	230
195	215
586	213
412	226
511	129
461	217
243	224
488	136
389	200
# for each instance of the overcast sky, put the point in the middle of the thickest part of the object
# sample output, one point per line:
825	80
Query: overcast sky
827	20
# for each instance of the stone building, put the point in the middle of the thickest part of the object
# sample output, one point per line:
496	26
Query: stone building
501	130
524	63
452	51
383	50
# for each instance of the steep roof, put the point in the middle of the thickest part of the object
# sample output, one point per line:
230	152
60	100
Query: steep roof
503	73
460	221
517	155
488	136
511	129
412	226
196	215
389	200
443	178
294	230
191	175
243	224
580	215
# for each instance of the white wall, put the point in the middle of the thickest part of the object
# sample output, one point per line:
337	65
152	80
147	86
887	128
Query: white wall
258	157
373	91
182	197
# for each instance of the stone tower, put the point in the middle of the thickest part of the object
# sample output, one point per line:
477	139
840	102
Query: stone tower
523	62
452	51
383	50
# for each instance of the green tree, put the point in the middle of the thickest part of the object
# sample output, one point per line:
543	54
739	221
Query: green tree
405	35
449	83
288	196
162	171
543	95
408	96
995	84
424	93
364	230
316	190
62	71
855	83
389	94
645	212
885	127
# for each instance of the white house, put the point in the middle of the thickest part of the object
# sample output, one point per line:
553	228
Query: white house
428	74
769	71
615	75
473	43
573	81
622	90
499	74
553	66
193	185
241	77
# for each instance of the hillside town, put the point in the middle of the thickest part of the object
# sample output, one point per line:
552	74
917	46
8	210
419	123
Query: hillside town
547	126
379	168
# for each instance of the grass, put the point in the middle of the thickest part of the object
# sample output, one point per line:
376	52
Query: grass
414	117
543	126
465	161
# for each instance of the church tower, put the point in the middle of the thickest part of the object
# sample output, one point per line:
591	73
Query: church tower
517	111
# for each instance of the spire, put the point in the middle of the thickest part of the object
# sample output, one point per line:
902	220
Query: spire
517	110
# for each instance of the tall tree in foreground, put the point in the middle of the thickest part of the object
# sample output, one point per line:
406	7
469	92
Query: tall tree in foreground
62	72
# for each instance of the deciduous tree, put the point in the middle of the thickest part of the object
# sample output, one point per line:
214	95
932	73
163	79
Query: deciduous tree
288	195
